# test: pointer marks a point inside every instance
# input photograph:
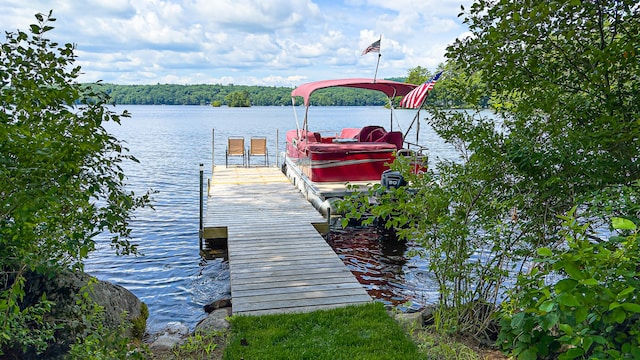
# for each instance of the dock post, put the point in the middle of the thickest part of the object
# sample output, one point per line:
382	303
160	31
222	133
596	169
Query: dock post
201	229
213	146
329	223
277	154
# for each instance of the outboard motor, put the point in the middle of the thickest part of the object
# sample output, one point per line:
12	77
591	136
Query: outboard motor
392	179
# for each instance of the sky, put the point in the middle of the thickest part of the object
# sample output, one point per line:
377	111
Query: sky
244	42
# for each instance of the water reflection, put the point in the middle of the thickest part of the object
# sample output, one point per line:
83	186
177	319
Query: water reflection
382	264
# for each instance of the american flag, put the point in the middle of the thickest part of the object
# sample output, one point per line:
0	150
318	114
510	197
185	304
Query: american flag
375	47
415	98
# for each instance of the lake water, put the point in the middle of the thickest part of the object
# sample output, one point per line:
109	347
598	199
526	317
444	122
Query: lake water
171	142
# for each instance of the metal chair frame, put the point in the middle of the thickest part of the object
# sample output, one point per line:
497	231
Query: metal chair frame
258	147
235	148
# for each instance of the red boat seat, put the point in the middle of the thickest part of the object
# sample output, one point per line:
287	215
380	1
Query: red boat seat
371	133
340	150
313	136
349	133
393	137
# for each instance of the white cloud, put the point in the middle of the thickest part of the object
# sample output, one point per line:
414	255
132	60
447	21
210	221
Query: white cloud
276	42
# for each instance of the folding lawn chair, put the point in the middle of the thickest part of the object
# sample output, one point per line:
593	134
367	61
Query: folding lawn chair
258	147
235	147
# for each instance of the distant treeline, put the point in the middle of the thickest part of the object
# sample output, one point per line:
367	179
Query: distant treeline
445	94
233	95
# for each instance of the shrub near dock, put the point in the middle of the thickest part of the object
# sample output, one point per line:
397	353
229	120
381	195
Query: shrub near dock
564	83
591	311
60	183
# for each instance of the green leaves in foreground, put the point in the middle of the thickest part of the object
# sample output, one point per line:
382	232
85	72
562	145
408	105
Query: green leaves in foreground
579	302
61	181
354	332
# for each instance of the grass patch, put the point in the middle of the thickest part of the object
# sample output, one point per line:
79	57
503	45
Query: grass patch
435	346
354	332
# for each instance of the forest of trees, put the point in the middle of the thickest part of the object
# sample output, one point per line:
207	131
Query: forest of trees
231	95
244	95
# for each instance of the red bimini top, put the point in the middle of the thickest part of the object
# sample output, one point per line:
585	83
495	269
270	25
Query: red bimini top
388	87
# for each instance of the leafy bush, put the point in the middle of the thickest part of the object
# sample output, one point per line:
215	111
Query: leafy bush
139	324
28	326
198	346
582	301
100	342
563	82
61	181
430	213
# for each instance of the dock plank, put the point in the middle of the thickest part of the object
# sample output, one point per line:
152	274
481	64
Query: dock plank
283	282
277	260
283	273
288	305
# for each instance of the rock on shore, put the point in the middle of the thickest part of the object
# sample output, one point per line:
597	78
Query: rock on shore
63	290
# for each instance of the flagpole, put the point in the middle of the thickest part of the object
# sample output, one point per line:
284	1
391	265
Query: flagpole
378	63
375	75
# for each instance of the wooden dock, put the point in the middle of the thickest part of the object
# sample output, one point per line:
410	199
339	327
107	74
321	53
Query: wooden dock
278	261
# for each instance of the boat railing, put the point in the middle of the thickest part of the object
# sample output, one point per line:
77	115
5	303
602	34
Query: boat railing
420	147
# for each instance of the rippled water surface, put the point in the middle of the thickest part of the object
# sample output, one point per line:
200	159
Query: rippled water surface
170	142
384	266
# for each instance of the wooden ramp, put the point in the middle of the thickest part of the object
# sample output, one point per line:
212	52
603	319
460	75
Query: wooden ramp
278	261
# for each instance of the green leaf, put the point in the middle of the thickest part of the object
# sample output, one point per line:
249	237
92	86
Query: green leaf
565	285
550	320
614	354
631	307
546	306
581	314
586	343
566	328
572	353
573	271
84	251
623	224
619	315
517	320
529	354
544	251
589	282
568	300
599	339
564	338
524	338
625	292
614	305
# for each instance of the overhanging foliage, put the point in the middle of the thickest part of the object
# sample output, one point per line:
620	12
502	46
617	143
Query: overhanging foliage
60	179
564	82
